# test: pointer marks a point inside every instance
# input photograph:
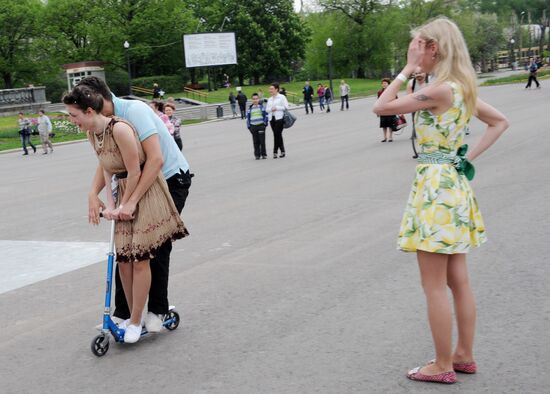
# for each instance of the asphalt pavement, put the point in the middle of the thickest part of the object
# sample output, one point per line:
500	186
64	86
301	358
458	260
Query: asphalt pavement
290	281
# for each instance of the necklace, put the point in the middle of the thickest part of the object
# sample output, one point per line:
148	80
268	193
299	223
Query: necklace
99	142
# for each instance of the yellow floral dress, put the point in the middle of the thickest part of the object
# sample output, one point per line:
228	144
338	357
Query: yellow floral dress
442	215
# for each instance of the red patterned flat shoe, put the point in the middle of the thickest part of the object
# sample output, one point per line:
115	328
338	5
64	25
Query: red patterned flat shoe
470	368
445	377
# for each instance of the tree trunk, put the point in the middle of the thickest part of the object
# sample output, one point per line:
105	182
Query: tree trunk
241	79
8	83
483	64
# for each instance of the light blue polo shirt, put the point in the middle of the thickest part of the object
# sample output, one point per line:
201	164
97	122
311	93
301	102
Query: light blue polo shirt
147	123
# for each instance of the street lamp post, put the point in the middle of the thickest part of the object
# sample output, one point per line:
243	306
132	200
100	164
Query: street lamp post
127	47
512	57
329	45
520	55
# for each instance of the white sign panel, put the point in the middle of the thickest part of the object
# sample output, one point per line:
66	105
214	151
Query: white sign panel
209	49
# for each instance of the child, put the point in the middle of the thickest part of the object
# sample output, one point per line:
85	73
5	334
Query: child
256	121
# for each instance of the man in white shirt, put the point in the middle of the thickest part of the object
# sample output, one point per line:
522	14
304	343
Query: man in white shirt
44	129
344	94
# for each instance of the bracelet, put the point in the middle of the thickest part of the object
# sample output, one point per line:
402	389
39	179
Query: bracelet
402	77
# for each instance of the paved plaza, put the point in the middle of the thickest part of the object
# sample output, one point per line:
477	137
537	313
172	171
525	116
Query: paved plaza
290	281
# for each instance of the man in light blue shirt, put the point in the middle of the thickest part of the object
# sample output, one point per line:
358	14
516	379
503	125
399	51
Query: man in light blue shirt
162	155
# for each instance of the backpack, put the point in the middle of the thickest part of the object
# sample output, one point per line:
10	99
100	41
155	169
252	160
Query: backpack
533	68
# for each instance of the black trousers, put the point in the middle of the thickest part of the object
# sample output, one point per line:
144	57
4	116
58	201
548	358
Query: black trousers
178	185
308	101
258	139
346	99
531	79
178	142
278	143
243	110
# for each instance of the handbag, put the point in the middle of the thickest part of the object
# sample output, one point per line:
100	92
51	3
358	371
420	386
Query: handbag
399	123
288	119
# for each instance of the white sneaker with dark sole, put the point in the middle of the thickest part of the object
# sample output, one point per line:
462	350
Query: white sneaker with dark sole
153	322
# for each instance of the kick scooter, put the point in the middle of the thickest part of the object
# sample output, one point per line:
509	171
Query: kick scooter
100	344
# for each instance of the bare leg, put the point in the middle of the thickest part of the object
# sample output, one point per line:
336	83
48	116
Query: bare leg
140	289
384	133
433	271
465	307
126	277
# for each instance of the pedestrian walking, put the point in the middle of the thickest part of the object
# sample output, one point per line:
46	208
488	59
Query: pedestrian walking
25	133
242	99
256	122
533	69
276	106
162	155
442	221
170	112
387	122
308	97
328	97
233	104
344	94
44	130
156	91
155	219
321	96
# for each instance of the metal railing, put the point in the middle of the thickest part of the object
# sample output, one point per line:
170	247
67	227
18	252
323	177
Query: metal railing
141	90
294	98
202	96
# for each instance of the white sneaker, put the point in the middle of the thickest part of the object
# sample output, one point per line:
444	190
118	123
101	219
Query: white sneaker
153	322
132	334
123	324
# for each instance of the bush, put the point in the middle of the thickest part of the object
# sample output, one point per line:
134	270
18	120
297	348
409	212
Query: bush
55	88
168	83
117	80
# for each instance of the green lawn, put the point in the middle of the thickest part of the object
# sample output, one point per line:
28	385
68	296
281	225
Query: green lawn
63	129
359	88
542	74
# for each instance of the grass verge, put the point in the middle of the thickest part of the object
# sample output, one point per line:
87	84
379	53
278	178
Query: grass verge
542	74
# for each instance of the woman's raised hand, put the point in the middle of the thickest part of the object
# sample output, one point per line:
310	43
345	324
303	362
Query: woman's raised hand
416	51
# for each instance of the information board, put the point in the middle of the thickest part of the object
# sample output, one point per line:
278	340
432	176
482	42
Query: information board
209	49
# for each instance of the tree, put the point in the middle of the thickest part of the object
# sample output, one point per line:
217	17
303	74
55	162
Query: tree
18	26
270	36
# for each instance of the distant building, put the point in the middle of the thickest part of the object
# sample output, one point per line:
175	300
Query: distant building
77	71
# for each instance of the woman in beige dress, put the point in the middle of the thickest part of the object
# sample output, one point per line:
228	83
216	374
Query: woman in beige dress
156	219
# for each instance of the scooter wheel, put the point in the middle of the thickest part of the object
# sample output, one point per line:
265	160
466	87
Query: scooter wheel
100	345
176	320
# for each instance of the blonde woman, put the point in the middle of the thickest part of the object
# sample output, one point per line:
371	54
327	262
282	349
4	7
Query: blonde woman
442	221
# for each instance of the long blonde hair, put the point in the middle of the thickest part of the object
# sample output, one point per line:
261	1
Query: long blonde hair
454	63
